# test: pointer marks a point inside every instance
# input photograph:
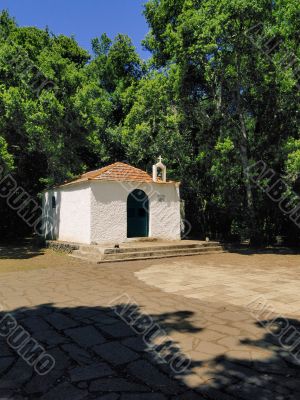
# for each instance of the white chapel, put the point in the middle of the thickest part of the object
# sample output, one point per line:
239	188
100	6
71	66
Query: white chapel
114	204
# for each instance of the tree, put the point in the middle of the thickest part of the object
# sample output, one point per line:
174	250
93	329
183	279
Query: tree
230	72
220	93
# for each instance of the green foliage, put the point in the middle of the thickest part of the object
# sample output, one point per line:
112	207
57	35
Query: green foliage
292	165
6	158
220	93
153	122
238	98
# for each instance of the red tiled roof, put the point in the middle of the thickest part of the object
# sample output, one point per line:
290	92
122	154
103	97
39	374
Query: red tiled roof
119	172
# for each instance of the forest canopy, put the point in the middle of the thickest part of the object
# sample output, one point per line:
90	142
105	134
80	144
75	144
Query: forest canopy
219	94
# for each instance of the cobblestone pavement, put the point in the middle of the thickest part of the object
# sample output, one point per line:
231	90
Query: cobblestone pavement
210	314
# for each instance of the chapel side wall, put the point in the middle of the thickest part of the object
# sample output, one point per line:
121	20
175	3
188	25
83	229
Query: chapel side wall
72	215
109	210
165	220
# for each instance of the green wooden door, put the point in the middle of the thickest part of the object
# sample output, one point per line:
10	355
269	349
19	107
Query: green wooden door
137	214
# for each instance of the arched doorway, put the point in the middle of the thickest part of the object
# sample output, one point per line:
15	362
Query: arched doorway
137	214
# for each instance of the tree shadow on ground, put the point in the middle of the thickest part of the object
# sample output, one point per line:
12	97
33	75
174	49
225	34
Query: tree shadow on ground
255	251
20	250
97	351
274	377
119	353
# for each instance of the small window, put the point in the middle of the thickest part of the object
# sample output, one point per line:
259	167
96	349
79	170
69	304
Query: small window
160	173
161	198
53	202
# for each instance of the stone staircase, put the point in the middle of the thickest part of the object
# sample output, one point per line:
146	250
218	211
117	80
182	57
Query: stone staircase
135	251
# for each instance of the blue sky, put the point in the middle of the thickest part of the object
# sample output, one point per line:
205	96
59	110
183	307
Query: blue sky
85	19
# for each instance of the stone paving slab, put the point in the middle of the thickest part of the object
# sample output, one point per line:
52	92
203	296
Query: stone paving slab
90	372
85	336
115	353
117	384
111	396
65	391
77	354
195	309
237	286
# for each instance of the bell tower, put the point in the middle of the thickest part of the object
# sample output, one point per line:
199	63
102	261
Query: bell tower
159	169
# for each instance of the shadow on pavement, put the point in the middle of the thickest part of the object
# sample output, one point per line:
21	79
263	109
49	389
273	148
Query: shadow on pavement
119	353
19	250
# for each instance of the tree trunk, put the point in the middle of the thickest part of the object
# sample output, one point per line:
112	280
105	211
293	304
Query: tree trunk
254	239
244	151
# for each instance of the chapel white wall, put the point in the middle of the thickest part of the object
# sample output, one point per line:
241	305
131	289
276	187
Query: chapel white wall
109	210
72	215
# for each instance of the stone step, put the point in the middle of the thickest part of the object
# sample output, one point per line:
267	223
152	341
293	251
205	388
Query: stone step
145	251
84	257
160	247
94	249
144	255
155	252
158	257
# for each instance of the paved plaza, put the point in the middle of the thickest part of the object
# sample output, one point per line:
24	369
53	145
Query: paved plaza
218	326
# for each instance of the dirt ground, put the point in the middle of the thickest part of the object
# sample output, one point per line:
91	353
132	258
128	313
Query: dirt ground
219	326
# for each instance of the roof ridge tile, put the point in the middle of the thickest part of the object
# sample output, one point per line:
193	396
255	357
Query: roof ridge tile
117	171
